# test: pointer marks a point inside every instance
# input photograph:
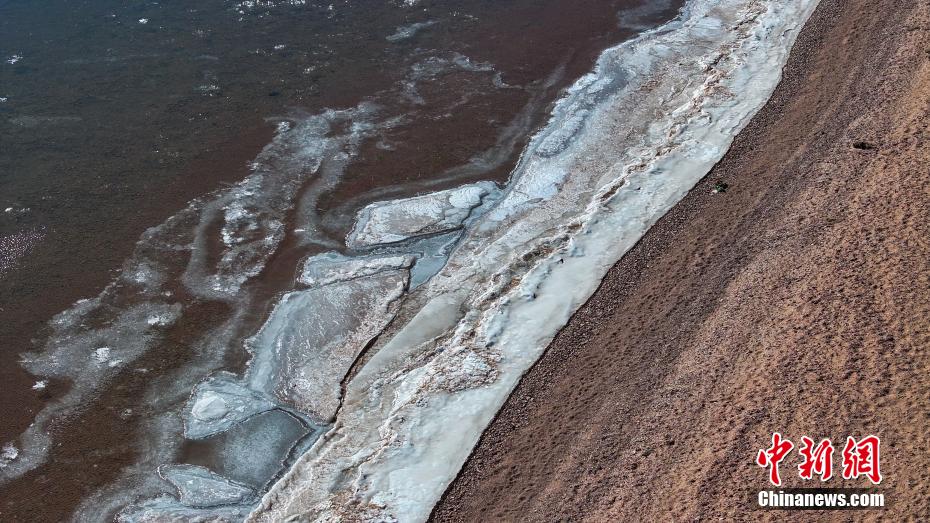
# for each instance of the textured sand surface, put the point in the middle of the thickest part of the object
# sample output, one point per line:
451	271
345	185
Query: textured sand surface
797	301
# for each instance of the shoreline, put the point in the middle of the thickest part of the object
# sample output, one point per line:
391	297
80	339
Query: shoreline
798	278
585	190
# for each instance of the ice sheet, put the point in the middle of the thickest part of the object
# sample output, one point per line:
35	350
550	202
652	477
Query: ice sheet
586	189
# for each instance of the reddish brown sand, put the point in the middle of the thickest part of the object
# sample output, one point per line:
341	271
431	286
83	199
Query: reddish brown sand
797	301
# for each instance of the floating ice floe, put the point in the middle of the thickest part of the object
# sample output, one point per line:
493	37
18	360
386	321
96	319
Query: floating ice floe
254	210
398	220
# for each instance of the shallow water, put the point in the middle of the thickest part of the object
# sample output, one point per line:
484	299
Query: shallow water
113	117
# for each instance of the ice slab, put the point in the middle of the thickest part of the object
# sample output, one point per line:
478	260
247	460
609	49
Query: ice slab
8	454
332	267
198	487
313	336
256	451
218	403
399	220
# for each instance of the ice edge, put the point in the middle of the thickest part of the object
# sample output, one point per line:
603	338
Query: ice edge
519	275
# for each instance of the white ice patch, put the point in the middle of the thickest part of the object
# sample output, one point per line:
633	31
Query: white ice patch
398	220
209	407
409	31
246	6
8	454
102	354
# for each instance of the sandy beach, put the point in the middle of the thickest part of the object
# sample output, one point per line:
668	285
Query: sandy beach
796	301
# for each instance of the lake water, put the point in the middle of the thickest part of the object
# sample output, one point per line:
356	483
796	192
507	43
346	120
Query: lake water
126	131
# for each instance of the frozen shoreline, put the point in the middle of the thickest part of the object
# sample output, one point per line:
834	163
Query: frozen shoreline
527	264
447	297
